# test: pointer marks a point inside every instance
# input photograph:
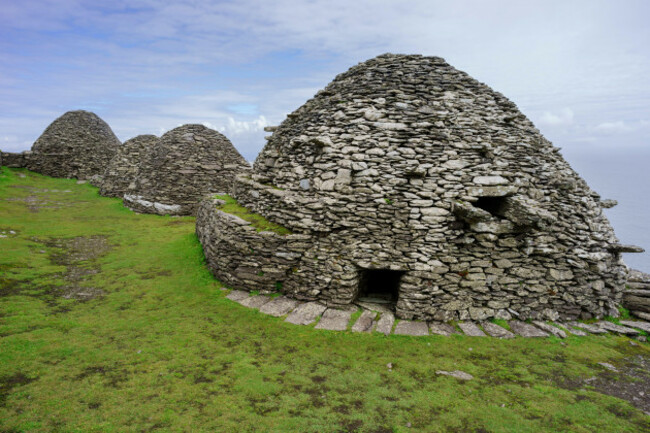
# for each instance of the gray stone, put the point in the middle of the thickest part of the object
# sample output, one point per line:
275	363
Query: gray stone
471	329
553	330
366	322
457	374
279	306
237	295
495	330
408	327
385	323
255	301
573	330
334	320
526	330
306	313
440	328
644	326
592	329
609	326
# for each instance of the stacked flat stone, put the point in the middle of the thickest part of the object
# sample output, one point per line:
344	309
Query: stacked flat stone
123	168
404	163
76	145
637	296
183	167
15	160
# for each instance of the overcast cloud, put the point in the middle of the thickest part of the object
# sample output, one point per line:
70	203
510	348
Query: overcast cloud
579	69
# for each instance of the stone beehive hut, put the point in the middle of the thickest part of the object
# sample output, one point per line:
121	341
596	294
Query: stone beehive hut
123	168
408	181
180	169
76	145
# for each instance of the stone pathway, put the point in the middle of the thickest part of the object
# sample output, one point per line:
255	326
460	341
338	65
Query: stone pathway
377	318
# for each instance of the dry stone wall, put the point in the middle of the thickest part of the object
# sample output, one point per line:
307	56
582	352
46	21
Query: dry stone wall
76	145
15	160
405	164
123	168
183	167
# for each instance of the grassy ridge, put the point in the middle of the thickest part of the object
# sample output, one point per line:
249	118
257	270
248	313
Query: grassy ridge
161	349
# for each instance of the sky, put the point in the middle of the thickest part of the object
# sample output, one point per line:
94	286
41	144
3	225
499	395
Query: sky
579	69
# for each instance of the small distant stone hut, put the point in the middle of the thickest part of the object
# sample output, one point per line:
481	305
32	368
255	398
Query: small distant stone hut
408	182
76	145
123	168
181	168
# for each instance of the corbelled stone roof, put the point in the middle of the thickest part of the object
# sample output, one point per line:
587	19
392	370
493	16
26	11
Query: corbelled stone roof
406	164
123	168
181	168
76	145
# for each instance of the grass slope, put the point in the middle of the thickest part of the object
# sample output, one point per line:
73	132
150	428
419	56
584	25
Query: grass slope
159	348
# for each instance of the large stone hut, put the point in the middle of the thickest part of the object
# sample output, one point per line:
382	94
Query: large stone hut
181	168
123	168
76	145
407	181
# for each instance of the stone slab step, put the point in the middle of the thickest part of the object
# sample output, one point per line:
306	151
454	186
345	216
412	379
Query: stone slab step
497	331
334	320
573	331
306	313
553	330
440	328
409	327
471	329
366	322
592	329
644	326
385	323
641	314
279	306
255	301
237	295
526	330
609	326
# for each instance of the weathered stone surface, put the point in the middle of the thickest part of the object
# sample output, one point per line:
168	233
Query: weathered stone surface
592	329
255	301
637	300
186	165
385	323
409	327
334	320
553	330
526	330
306	313
279	306
573	330
457	374
76	145
405	164
366	322
609	326
495	330
123	168
640	314
471	329
644	326
440	328
237	295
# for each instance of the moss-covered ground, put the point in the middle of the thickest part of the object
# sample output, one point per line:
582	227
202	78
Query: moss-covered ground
109	322
257	221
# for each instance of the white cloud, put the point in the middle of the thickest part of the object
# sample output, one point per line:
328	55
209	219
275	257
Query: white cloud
614	127
562	118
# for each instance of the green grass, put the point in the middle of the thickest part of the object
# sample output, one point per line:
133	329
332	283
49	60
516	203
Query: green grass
163	350
260	223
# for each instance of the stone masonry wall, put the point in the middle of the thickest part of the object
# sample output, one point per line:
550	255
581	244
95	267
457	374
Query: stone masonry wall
123	168
405	163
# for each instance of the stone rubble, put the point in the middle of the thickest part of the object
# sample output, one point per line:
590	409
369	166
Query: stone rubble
405	166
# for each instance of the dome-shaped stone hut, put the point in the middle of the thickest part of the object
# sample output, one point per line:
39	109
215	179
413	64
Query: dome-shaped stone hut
123	168
76	145
181	168
408	181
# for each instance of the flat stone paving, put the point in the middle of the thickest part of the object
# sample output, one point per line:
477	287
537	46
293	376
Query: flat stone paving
379	319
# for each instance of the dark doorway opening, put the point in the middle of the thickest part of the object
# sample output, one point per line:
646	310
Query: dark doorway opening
380	286
494	205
